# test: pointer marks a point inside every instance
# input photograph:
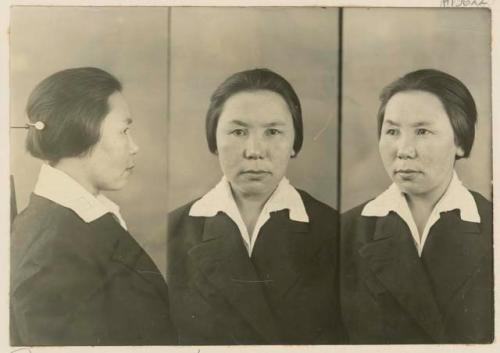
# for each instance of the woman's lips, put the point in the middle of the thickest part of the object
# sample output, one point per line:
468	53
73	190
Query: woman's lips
407	174
255	172
255	175
406	171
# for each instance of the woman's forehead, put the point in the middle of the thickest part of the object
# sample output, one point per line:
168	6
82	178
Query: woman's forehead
415	108
260	107
119	112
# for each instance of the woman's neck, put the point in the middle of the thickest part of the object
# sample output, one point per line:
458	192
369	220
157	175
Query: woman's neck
250	207
75	169
422	205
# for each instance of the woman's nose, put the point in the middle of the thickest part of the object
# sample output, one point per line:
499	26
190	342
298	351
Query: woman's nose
254	148
132	145
406	147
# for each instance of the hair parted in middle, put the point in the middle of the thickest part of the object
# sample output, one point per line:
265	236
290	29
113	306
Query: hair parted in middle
253	80
453	94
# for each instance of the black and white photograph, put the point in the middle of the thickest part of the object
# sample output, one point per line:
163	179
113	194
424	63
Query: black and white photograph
211	177
253	225
417	239
90	177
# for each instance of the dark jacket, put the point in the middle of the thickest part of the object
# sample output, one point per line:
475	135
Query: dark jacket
390	295
286	293
77	283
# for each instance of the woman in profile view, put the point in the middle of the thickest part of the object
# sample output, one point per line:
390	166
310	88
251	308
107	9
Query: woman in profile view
77	276
416	261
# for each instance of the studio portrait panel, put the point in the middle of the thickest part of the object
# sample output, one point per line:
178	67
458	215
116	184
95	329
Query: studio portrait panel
417	241
456	41
88	164
253	227
49	39
210	44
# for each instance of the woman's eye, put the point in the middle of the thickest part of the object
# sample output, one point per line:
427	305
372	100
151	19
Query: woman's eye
391	132
423	132
125	131
273	132
238	132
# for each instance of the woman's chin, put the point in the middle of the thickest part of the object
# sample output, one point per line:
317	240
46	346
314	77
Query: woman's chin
408	187
254	189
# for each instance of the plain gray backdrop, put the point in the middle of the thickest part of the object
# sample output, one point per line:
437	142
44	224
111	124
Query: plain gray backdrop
383	44
209	45
130	43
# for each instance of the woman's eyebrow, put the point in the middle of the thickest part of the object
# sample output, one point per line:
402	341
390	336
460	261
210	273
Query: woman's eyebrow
129	121
274	123
422	123
390	122
244	124
238	122
415	124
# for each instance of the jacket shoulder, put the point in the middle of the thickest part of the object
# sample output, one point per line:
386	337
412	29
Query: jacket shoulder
47	235
485	209
314	207
483	204
350	216
42	213
180	215
42	225
354	227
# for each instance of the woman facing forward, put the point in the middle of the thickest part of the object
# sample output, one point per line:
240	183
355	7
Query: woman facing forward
416	261
254	260
77	275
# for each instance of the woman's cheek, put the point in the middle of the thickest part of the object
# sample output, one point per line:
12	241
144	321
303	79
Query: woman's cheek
281	144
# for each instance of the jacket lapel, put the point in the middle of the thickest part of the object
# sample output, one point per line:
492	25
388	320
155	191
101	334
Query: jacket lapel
125	250
224	261
453	252
393	258
284	248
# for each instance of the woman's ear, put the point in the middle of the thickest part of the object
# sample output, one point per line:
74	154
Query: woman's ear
460	152
293	154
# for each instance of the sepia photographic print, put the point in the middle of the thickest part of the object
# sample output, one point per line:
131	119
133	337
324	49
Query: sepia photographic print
209	176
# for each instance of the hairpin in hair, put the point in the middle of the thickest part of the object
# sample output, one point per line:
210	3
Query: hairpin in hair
39	125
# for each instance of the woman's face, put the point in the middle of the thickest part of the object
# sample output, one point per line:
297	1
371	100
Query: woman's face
110	162
255	137
417	144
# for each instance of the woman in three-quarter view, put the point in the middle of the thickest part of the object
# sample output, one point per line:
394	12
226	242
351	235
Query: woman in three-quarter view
77	276
416	261
253	261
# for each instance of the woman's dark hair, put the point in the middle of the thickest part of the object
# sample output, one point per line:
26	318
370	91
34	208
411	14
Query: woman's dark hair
72	104
253	80
455	97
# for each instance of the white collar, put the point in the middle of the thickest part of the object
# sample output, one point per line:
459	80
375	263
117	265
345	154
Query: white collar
59	187
455	197
220	199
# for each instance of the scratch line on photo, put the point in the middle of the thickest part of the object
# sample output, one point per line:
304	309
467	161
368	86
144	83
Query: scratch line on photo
320	132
